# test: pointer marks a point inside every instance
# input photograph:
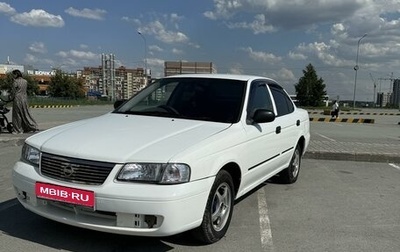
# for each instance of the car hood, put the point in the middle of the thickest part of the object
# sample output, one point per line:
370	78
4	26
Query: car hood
123	138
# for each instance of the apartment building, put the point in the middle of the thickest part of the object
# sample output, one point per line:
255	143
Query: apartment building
396	93
383	99
117	83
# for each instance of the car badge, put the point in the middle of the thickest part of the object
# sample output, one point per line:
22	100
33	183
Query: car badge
68	170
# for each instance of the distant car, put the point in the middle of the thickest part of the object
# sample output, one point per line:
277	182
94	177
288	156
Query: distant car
172	158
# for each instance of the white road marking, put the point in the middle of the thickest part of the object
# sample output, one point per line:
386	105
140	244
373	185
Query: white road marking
265	228
395	166
330	139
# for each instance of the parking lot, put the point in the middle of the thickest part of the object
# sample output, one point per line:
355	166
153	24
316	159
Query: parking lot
336	205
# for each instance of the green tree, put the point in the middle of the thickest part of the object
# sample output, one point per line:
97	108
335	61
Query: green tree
63	85
7	81
33	85
310	90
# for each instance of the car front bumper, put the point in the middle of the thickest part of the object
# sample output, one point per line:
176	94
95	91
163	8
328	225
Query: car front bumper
123	208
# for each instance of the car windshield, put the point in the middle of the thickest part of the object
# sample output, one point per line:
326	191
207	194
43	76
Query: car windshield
209	99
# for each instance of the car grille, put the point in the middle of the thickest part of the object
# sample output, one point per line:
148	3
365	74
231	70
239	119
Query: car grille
75	170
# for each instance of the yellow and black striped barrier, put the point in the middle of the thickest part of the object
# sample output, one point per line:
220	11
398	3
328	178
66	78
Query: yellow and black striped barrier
52	106
342	120
369	113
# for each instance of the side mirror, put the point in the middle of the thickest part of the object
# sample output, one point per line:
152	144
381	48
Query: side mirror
263	116
118	103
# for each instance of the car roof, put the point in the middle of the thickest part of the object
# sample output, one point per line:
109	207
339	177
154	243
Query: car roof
241	77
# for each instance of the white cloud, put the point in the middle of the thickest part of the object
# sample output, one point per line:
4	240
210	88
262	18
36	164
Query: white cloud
38	47
155	62
297	56
62	54
157	29
177	51
210	15
325	54
236	69
286	14
259	25
6	9
165	28
283	75
32	59
286	75
96	14
38	18
175	17
339	30
269	58
224	9
79	55
155	48
134	21
83	55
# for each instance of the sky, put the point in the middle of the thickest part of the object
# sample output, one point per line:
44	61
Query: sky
271	38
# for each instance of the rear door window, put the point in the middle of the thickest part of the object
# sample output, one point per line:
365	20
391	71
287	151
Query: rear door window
284	104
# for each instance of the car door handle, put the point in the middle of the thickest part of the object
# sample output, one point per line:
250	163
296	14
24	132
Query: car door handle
298	123
278	130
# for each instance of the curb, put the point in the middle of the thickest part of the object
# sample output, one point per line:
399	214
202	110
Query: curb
343	120
359	157
17	141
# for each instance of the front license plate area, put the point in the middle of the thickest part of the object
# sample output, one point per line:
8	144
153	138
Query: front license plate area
65	194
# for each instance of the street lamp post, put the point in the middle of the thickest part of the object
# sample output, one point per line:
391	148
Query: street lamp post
356	67
145	56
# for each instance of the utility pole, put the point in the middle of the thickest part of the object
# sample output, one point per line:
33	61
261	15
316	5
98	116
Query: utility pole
145	56
373	81
356	67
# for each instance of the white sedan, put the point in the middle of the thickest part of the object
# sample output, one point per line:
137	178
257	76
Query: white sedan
172	158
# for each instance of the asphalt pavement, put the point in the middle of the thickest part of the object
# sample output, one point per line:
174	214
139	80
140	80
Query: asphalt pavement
328	149
370	135
354	151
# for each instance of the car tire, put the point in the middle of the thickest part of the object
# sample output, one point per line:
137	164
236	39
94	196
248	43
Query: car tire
290	174
218	212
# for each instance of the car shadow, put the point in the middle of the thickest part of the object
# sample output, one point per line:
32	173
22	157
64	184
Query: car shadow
20	223
275	180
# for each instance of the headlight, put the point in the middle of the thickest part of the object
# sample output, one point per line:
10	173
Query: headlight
155	173
30	155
